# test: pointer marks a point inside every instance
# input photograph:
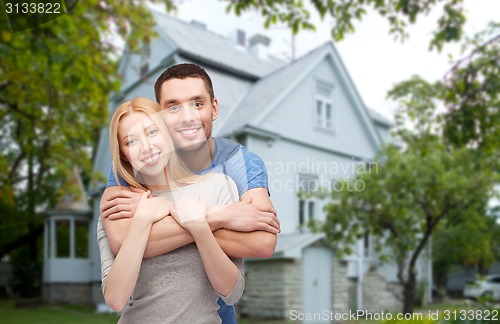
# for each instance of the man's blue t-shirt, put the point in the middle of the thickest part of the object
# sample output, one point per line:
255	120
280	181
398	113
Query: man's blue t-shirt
248	172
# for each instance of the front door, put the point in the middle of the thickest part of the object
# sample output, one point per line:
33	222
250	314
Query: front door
317	284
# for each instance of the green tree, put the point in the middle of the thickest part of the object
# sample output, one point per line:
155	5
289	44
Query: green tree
419	187
414	193
471	94
399	14
470	91
55	81
470	244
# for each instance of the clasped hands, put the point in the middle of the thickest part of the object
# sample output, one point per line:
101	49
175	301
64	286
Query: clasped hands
239	216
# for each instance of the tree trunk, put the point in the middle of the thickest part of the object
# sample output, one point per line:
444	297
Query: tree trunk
409	290
32	236
441	283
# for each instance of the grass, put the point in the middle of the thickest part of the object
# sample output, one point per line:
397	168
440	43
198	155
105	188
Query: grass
72	314
47	314
77	314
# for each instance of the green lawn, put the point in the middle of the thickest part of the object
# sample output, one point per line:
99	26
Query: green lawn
73	314
52	314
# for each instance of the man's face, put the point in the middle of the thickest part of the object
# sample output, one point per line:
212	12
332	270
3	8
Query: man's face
188	112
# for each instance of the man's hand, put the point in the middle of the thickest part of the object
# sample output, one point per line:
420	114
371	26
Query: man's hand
120	203
245	217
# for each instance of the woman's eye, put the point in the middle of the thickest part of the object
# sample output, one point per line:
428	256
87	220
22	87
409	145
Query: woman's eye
173	108
131	142
152	132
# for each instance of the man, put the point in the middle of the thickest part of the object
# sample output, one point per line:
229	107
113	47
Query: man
246	228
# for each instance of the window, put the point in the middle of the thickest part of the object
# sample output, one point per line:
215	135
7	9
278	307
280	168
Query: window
81	239
302	207
367	245
324	106
67	237
310	209
308	184
307	209
62	238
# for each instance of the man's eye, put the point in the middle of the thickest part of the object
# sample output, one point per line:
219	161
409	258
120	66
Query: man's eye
198	104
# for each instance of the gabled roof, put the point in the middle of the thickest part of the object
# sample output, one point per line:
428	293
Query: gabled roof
264	96
266	90
272	79
212	49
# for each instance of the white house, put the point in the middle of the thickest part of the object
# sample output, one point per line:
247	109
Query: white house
308	122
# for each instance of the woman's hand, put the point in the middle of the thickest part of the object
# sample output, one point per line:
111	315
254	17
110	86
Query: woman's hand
152	209
191	212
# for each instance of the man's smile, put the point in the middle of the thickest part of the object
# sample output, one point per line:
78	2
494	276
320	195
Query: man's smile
190	132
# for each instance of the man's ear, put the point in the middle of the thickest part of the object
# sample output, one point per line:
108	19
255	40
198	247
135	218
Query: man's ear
215	109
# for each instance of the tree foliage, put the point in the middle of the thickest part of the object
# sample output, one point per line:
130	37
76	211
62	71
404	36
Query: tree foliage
471	93
344	13
55	80
470	244
420	187
415	192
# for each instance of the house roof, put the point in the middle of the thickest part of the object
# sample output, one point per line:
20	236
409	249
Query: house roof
379	118
269	91
266	90
247	86
208	47
291	245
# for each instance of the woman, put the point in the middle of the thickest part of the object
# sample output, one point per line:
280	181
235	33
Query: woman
181	286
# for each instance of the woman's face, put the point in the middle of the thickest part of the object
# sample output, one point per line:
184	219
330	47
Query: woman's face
142	144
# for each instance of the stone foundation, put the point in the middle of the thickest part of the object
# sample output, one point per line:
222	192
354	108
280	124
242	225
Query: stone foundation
67	293
264	295
341	285
379	295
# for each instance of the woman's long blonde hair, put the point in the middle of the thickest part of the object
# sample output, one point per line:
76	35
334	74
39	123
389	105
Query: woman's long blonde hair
176	170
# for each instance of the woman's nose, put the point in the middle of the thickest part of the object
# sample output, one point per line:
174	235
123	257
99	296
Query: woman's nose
145	145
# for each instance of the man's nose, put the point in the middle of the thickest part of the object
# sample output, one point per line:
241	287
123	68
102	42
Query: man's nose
189	113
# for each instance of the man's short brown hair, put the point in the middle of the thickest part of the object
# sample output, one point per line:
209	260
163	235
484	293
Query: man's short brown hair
182	71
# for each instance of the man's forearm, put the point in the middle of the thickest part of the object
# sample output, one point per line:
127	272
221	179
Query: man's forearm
167	235
258	244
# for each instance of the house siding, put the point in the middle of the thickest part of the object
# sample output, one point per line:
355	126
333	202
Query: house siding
294	116
284	161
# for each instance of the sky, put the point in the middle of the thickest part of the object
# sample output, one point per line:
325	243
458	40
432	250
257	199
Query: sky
374	60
